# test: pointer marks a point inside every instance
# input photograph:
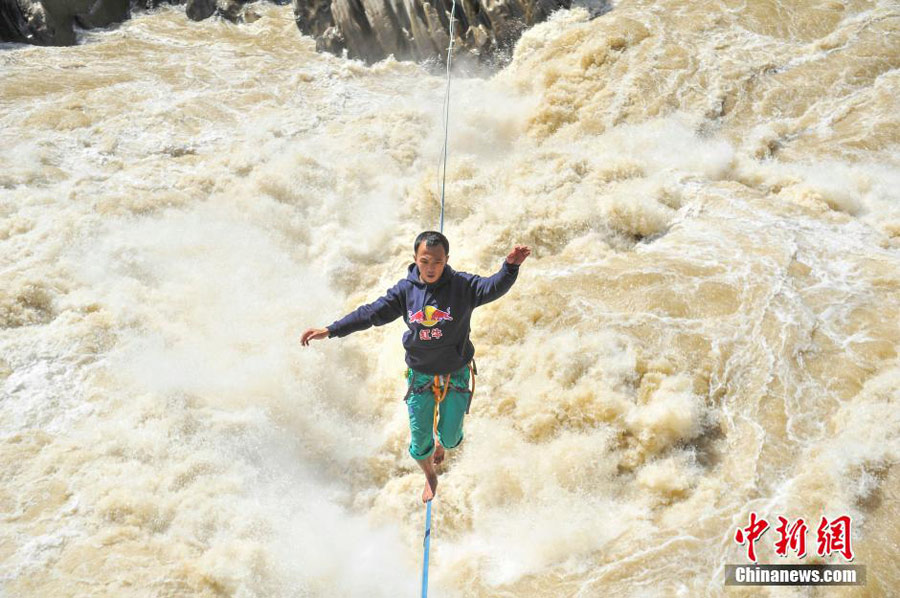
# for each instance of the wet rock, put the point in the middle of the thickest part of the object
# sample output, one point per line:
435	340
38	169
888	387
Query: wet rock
230	9
419	29
330	41
313	18
104	14
197	10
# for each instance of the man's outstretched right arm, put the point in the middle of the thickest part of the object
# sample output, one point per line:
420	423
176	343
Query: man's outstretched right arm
382	311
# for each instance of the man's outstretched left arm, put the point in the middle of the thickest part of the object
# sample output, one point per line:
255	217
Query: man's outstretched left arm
493	287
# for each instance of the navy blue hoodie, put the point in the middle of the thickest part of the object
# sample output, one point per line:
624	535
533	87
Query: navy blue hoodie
438	315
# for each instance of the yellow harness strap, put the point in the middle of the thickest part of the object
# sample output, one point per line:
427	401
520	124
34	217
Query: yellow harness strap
439	396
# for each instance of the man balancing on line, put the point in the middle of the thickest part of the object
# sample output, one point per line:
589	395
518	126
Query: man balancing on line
436	302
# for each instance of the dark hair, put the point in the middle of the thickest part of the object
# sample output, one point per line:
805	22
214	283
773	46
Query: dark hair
431	238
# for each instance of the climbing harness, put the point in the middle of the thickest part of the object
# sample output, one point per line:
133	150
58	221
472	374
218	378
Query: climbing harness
440	389
440	393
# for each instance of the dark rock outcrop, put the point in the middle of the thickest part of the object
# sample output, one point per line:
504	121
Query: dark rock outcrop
418	29
13	25
51	22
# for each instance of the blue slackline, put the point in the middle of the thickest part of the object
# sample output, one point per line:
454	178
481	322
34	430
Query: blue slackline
427	542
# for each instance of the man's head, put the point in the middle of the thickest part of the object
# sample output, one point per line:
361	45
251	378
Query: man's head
431	251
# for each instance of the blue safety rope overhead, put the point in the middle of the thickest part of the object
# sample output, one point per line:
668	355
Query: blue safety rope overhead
447	115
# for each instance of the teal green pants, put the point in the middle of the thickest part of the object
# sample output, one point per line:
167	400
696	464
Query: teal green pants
451	411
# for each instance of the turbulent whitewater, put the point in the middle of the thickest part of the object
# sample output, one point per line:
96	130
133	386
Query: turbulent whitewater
708	326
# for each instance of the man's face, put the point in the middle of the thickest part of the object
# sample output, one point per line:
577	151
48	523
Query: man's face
431	261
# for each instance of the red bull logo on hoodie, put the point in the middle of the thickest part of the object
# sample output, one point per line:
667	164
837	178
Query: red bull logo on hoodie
429	316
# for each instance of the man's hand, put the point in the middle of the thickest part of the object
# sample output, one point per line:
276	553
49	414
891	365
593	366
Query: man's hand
518	254
313	334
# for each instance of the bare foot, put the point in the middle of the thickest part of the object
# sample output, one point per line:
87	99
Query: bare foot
438	454
431	483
